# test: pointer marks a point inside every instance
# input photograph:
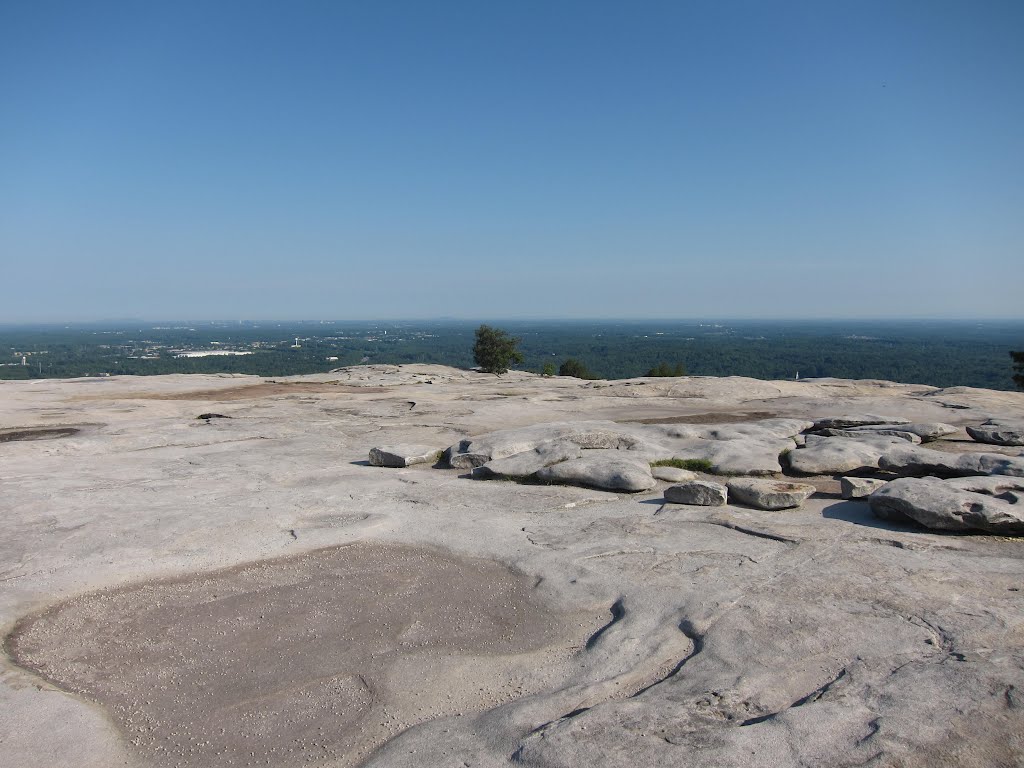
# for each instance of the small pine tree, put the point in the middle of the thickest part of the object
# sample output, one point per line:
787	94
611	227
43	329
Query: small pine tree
548	369
494	350
663	369
1018	367
573	367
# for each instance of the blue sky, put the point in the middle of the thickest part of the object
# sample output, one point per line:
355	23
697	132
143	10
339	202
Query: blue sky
386	159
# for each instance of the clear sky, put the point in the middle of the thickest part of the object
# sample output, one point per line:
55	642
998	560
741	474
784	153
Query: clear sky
382	159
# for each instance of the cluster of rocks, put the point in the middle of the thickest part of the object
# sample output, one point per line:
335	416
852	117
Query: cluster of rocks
760	493
631	457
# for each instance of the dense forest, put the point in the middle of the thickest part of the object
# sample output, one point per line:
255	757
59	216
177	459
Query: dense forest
939	353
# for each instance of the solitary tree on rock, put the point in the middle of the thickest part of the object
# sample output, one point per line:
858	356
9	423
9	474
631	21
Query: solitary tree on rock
494	350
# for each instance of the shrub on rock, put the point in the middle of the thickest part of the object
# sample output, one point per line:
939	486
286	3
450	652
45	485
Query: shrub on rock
494	350
573	367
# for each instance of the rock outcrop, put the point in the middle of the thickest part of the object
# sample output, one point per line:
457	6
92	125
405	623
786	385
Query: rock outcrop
487	623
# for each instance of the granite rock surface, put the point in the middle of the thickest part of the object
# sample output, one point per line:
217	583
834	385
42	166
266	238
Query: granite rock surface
161	574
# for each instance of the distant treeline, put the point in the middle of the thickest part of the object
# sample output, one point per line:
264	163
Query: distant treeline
937	353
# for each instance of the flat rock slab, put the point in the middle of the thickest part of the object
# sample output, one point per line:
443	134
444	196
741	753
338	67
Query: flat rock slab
856	420
608	472
477	451
915	462
673	474
1005	487
402	455
742	449
528	463
703	493
859	487
940	505
769	494
926	431
855	432
750	456
834	455
998	432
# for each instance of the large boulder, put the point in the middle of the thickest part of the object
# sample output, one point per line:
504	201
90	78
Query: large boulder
915	462
703	493
608	470
527	463
941	505
769	494
834	455
998	432
402	455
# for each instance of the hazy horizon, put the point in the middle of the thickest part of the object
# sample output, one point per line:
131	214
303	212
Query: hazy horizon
126	322
574	160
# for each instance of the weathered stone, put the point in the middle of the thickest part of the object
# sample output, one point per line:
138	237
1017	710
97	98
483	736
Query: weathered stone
402	455
912	461
769	494
859	487
602	470
704	493
833	455
673	474
527	463
926	431
731	448
477	451
998	432
937	504
910	437
857	420
1005	487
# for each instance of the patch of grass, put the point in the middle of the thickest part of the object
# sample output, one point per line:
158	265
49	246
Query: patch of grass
694	465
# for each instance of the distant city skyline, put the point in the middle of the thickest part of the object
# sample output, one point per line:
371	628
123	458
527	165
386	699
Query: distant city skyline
538	161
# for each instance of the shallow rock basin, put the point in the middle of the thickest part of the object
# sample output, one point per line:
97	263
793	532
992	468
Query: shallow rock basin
321	656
